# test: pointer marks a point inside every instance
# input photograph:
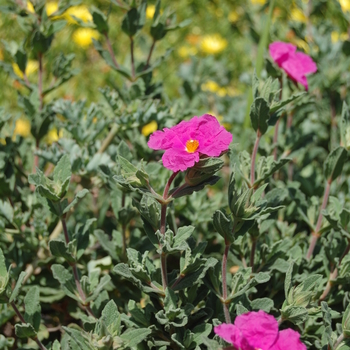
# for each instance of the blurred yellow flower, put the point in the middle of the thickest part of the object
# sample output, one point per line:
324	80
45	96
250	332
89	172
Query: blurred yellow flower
212	86
335	36
213	43
22	128
81	12
297	15
151	9
1	55
149	128
31	67
258	2
51	7
345	5
83	36
233	16
53	136
302	44
30	7
186	51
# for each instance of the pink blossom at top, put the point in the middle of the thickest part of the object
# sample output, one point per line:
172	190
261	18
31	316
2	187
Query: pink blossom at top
295	64
258	330
186	141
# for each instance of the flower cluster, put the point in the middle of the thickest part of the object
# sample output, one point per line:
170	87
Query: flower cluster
295	64
258	330
185	142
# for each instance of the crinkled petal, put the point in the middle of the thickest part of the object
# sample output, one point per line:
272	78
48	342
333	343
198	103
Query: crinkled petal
212	137
306	63
231	334
161	139
179	160
258	328
288	339
294	68
280	51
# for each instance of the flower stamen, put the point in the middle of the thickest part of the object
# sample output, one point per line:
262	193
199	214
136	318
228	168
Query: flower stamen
191	146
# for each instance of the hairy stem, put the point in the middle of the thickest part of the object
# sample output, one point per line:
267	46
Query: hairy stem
255	151
252	253
110	50
334	275
123	228
150	55
163	264
20	316
339	340
316	234
40	80
224	282
106	142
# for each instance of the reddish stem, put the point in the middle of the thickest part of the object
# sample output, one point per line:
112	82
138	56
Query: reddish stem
315	234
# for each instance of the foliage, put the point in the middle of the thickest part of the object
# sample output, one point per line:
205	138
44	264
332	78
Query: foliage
101	247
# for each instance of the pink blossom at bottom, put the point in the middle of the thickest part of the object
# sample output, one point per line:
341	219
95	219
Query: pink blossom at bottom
296	64
258	330
186	141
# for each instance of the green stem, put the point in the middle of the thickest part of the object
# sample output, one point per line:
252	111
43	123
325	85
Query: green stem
108	139
255	151
224	282
110	50
316	233
163	261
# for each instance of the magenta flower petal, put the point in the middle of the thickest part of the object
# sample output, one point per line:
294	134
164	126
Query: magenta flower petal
280	51
186	141
179	160
288	339
296	64
230	333
258	328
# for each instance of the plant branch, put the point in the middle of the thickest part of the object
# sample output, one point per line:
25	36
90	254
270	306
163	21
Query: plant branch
150	55
224	282
110	50
316	234
338	341
106	142
255	151
20	316
40	80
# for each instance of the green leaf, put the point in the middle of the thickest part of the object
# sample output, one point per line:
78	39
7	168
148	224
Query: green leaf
133	337
288	279
25	330
18	285
259	115
78	197
106	243
223	225
275	106
111	318
295	314
265	304
100	20
61	250
346	322
32	307
345	126
134	20
82	236
66	279
98	289
6	211
334	163
62	174
183	233
188	190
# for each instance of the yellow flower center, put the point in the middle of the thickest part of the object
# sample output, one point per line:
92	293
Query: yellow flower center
191	146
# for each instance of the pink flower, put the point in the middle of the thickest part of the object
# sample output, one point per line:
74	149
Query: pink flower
295	64
186	141
258	331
